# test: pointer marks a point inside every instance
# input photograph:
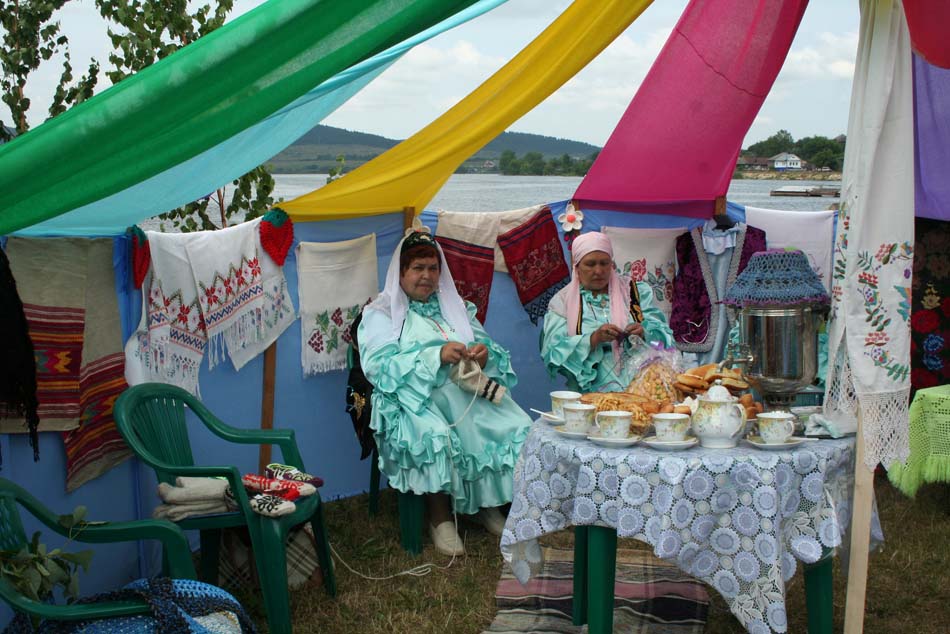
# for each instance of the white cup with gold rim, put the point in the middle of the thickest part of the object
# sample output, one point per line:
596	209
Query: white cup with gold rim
560	398
775	427
578	417
612	424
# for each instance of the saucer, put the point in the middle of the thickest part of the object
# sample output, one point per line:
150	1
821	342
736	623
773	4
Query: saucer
552	419
614	442
579	435
757	442
669	445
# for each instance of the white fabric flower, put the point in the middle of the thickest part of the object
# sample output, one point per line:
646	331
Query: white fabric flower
572	219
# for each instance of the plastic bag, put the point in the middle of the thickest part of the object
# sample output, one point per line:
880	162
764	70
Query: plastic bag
653	369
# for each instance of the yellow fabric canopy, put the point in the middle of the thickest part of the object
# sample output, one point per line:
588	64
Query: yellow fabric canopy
410	174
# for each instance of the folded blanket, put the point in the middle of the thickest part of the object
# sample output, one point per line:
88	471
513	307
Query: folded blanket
178	512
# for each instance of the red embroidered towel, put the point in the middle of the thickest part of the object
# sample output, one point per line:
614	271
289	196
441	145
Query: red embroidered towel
472	268
535	262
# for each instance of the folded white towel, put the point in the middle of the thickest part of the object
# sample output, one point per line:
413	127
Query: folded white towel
819	425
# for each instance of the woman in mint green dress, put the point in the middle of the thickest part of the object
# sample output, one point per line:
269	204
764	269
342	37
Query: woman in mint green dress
433	436
589	323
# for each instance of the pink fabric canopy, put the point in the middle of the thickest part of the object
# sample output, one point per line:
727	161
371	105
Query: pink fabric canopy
929	24
676	146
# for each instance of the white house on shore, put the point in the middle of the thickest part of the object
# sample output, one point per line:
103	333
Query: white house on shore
785	161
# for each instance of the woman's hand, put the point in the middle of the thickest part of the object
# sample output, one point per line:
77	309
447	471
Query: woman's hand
479	353
607	333
634	329
452	352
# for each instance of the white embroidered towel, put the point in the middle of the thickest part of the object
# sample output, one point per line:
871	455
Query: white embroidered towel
812	232
335	280
277	311
648	256
483	227
227	274
869	331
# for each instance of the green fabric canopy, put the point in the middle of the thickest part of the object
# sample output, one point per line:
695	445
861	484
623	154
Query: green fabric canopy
196	98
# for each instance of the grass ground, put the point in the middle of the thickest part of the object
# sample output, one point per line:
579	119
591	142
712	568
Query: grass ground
908	586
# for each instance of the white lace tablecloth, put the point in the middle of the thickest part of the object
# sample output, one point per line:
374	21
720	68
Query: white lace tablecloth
738	519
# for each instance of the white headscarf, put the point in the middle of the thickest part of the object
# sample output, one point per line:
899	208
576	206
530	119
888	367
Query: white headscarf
394	302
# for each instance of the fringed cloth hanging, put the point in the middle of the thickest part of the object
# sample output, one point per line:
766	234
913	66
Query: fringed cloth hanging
68	290
17	364
335	280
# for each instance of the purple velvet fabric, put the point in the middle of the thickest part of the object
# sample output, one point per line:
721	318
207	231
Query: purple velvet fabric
932	140
692	306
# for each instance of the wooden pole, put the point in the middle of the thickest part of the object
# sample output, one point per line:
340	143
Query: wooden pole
720	206
267	403
408	215
860	538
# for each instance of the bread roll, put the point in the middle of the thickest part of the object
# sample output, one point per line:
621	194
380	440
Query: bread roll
682	409
692	382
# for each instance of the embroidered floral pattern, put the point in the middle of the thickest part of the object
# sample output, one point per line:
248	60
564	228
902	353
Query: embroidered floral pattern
228	293
877	315
930	319
841	259
330	330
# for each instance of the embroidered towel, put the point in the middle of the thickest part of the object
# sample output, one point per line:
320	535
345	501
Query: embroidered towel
68	290
648	256
472	267
278	308
227	275
812	232
869	330
535	262
335	280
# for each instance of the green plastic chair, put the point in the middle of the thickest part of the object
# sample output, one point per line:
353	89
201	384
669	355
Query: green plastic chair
12	537
151	419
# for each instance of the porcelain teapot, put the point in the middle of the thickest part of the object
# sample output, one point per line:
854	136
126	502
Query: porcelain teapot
719	420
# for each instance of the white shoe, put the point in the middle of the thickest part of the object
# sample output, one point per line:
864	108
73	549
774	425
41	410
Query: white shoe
446	539
491	519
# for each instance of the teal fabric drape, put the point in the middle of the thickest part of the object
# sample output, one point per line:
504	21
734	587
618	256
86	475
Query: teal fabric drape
240	153
196	98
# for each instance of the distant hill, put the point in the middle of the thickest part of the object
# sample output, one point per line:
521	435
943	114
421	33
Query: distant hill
316	151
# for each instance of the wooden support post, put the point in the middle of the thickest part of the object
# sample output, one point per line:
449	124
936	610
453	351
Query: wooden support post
860	538
408	216
267	403
720	206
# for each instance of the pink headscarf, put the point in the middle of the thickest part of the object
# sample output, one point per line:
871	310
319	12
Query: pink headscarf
619	293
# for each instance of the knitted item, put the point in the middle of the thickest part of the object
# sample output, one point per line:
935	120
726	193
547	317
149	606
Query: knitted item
286	472
260	484
777	278
469	376
272	505
277	234
141	258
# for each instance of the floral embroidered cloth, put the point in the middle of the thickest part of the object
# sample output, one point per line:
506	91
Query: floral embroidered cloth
647	256
334	280
68	290
869	329
472	267
930	317
738	519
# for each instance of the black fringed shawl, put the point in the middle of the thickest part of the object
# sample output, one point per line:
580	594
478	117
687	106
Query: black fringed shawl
17	365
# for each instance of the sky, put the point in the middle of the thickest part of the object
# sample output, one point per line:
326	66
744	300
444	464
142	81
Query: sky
809	97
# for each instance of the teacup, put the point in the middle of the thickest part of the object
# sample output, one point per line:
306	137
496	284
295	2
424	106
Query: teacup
671	427
776	427
613	424
558	400
578	417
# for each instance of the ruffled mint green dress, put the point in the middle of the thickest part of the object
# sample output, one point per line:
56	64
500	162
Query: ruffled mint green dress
594	369
415	405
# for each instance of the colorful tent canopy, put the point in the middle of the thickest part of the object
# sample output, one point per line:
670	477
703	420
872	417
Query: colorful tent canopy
196	98
411	173
675	147
929	24
242	152
931	140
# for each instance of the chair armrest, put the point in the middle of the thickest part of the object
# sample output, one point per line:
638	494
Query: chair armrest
283	438
74	612
177	550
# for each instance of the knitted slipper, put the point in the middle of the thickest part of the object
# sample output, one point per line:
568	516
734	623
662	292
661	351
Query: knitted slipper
286	472
261	484
272	505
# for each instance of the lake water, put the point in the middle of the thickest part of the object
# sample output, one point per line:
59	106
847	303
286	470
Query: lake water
493	192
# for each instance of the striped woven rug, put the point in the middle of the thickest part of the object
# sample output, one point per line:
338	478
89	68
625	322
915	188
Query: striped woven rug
650	597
